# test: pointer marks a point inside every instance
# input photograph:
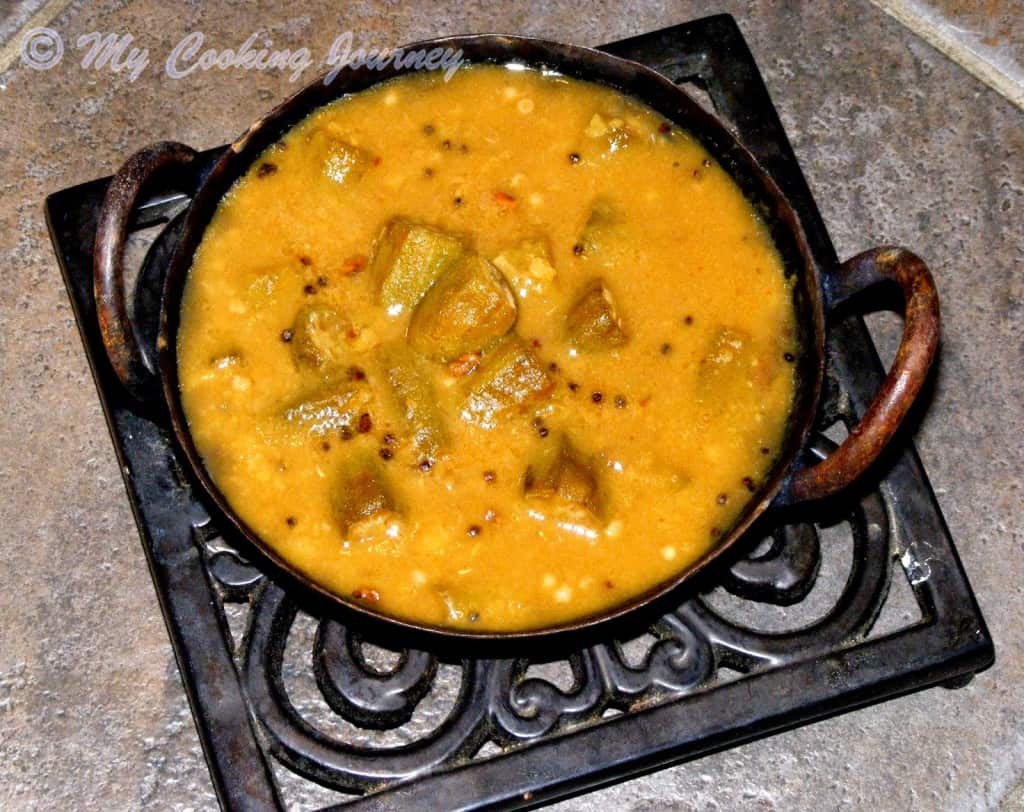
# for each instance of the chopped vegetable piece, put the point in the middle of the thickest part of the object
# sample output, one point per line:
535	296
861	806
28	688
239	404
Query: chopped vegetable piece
415	398
600	227
465	310
325	413
563	473
593	323
732	364
318	337
360	492
511	376
527	263
342	161
408	259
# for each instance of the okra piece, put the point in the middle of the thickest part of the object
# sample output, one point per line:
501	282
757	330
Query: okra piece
563	473
600	227
415	399
408	259
318	337
466	309
341	161
593	323
511	376
360	491
731	365
324	413
344	163
528	262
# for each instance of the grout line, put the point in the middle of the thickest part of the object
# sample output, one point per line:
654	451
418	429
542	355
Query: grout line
12	48
906	13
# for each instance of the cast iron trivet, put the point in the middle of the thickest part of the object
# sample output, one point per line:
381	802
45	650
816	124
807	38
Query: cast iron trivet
861	600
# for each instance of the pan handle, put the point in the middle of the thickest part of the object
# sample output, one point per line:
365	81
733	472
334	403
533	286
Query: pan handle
884	265
116	327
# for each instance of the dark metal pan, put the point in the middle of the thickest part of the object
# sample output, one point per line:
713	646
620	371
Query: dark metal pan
792	479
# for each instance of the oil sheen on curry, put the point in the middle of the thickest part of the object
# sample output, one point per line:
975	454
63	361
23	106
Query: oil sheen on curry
494	354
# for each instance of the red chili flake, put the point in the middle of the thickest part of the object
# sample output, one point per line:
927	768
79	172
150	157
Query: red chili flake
345	432
706	162
386	453
722	498
609	583
505	200
573	386
425	465
474	530
490	476
765	450
715	532
286	336
464	364
446	144
574	157
390	439
688	320
553	367
749	484
664	128
366	594
356	373
666	348
266	169
353	265
788	357
597	397
428	129
474	617
326	446
305	260
577	249
322	281
535	343
365	423
458	201
463	148
309	290
290	521
428	172
377	160
543	432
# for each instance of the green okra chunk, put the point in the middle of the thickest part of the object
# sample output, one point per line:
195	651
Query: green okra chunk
344	163
415	398
601	227
360	491
593	322
733	365
325	413
565	474
317	337
511	376
408	259
466	309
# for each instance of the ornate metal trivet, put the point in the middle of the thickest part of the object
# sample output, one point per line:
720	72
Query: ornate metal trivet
861	600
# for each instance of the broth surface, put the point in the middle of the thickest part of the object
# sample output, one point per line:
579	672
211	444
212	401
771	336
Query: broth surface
377	407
